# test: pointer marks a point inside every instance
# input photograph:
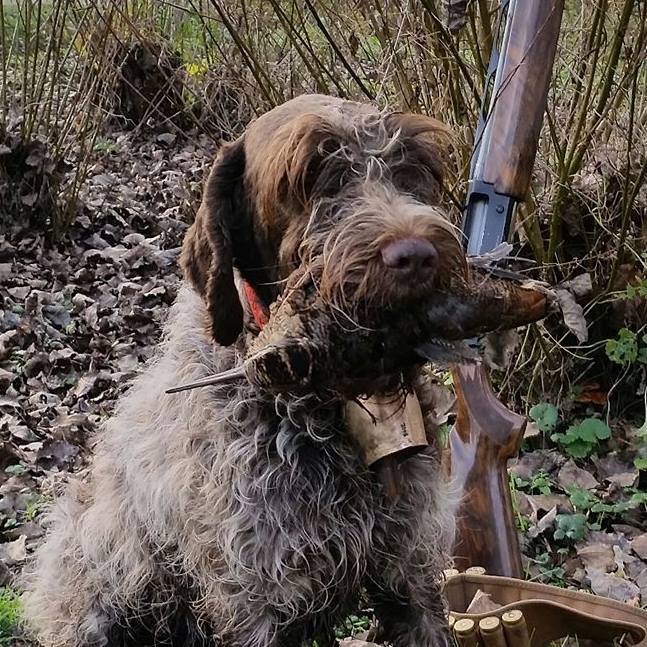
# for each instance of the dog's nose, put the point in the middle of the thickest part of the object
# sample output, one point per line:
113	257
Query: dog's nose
411	257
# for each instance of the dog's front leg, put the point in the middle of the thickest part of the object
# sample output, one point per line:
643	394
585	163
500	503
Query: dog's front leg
412	540
410	617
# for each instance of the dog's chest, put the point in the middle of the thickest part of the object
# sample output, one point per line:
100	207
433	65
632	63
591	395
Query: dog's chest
303	502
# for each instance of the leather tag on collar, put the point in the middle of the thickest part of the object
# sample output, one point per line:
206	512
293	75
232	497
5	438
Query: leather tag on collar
386	425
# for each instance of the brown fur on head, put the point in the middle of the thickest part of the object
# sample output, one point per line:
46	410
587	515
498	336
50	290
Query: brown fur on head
324	183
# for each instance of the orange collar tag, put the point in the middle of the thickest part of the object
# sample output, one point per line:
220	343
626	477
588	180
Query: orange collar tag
259	311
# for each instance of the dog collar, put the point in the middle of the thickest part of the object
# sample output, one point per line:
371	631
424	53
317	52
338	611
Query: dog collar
258	309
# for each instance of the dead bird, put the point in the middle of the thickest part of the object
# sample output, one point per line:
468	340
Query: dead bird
308	344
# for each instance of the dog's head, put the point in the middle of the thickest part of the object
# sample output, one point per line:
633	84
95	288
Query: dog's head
336	188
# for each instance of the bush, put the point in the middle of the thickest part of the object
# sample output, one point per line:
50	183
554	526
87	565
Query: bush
72	67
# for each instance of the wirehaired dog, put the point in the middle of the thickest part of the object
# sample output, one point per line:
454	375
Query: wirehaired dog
230	516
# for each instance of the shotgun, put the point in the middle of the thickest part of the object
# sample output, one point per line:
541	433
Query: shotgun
487	433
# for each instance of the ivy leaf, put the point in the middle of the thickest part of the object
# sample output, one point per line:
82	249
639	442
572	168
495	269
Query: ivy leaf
570	526
579	449
624	349
638	498
591	430
640	463
580	498
581	440
545	416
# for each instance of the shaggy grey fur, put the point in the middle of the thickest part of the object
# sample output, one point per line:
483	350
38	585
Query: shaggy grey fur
259	506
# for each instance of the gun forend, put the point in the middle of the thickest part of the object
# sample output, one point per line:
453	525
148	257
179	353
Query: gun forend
507	151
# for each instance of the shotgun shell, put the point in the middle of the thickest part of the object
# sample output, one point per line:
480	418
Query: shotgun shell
465	633
491	631
475	570
515	629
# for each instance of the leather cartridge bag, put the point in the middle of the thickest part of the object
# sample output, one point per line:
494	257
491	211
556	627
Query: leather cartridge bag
550	612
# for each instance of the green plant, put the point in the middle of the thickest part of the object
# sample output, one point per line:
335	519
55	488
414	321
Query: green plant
581	500
549	572
443	433
103	145
15	470
35	506
522	522
633	291
595	510
627	348
572	527
545	416
635	500
582	439
9	614
539	482
352	624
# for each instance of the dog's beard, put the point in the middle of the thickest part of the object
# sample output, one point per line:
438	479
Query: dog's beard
341	253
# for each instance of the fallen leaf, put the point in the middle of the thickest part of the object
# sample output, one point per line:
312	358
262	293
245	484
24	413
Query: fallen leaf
444	403
614	470
571	475
580	286
597	556
531	463
614	587
57	453
639	546
14	552
499	349
592	394
482	603
573	315
166	138
544	524
29	530
641	582
531	430
531	505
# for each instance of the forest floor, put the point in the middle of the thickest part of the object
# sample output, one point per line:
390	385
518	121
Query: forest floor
79	319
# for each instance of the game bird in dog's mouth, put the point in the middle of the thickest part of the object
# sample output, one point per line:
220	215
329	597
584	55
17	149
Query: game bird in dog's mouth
242	514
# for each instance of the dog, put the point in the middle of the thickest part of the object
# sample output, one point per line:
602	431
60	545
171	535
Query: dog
229	516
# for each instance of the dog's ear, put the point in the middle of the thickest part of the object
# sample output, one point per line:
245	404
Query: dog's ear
427	143
207	257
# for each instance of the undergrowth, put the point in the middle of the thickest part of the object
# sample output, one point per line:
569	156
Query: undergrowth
9	615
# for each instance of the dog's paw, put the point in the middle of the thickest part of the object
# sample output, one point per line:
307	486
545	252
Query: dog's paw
426	634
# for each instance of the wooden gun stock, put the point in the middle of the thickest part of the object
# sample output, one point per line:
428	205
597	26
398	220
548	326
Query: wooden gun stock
486	435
